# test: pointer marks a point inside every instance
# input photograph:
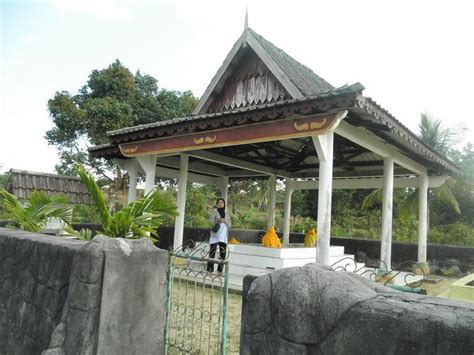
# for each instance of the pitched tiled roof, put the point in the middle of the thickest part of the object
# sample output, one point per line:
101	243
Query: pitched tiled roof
357	87
304	78
22	183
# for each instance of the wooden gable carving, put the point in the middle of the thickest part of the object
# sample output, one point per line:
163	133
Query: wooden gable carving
250	83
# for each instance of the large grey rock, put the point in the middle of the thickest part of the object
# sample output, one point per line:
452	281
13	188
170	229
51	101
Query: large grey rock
315	310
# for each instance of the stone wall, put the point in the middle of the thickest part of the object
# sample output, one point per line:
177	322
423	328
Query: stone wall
34	281
63	296
315	310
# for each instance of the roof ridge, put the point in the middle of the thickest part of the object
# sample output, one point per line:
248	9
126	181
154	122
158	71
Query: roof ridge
269	45
37	173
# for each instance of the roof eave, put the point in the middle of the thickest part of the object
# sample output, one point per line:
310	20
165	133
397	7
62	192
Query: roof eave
387	119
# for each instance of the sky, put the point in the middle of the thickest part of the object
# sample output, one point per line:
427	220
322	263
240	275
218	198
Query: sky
411	56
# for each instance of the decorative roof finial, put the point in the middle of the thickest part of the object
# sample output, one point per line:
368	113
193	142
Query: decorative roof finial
246	26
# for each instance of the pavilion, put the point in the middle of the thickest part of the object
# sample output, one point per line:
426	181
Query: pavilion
265	114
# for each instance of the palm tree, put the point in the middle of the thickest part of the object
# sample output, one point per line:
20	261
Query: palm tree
433	135
136	220
441	140
37	210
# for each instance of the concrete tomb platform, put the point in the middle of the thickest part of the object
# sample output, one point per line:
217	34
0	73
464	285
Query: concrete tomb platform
255	259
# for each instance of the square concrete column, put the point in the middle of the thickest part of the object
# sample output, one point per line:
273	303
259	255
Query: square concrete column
148	164
387	212
181	200
131	165
287	211
324	145
272	200
422	218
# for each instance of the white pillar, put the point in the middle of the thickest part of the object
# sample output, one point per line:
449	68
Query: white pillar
224	187
324	147
422	218
132	169
287	211
387	214
272	200
148	164
181	200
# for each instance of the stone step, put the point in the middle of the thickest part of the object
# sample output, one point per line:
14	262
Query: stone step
265	263
293	252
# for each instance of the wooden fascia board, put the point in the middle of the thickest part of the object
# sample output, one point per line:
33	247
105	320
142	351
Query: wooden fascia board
206	98
292	127
274	67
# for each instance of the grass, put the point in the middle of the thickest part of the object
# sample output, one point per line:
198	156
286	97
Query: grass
434	289
194	320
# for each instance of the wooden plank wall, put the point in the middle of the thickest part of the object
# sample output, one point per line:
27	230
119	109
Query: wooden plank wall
250	84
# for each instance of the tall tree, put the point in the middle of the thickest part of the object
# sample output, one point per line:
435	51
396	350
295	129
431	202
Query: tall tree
112	98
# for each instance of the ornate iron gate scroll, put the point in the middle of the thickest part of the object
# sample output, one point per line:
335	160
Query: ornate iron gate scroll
196	318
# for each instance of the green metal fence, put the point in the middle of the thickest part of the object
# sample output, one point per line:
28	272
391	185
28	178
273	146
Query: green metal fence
196	319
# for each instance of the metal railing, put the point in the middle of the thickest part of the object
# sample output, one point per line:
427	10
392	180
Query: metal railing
413	278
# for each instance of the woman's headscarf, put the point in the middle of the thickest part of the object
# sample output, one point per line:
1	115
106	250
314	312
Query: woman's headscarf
221	210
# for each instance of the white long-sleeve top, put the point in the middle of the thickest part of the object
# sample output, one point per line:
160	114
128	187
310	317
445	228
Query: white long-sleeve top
222	234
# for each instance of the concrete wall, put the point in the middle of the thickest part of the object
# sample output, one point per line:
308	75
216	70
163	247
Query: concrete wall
315	310
63	296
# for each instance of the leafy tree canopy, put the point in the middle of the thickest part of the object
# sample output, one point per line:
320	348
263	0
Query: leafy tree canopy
111	99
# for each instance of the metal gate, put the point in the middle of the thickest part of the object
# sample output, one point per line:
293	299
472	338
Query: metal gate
196	318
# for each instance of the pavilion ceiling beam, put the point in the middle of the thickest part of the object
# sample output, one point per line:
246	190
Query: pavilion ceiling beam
193	166
348	174
193	177
371	183
367	140
244	173
237	163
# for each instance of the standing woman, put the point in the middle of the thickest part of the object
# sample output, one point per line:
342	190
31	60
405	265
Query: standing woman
219	239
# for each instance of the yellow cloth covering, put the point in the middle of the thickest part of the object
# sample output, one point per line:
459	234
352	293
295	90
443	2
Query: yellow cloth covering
310	238
270	239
